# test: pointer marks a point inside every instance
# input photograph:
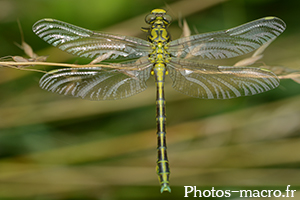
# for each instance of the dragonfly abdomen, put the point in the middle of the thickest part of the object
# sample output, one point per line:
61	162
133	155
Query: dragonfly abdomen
162	167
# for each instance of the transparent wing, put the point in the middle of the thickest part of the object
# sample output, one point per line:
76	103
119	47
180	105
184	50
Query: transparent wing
90	44
228	43
95	83
219	82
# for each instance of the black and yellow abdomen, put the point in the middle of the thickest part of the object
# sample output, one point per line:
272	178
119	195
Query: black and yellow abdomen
162	168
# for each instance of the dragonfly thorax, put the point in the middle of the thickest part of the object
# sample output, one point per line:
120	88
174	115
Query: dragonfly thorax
159	36
159	55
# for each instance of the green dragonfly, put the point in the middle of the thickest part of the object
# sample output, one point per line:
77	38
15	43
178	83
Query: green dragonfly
159	56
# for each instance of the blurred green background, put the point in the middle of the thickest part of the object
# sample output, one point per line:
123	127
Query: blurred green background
56	147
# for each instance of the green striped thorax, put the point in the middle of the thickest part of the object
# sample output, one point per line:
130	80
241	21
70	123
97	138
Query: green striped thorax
158	35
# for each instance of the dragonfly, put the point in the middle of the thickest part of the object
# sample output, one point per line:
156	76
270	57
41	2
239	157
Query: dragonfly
182	59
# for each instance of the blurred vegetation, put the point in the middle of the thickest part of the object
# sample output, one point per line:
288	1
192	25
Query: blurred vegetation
56	147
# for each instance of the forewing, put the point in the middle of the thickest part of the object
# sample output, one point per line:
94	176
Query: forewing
95	83
228	43
90	44
219	82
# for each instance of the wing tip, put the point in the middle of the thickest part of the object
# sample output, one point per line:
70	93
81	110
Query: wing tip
278	19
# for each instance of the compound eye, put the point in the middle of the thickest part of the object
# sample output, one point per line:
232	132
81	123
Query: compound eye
150	18
168	18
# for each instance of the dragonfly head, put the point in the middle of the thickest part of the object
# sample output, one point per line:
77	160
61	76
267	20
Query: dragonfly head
158	15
